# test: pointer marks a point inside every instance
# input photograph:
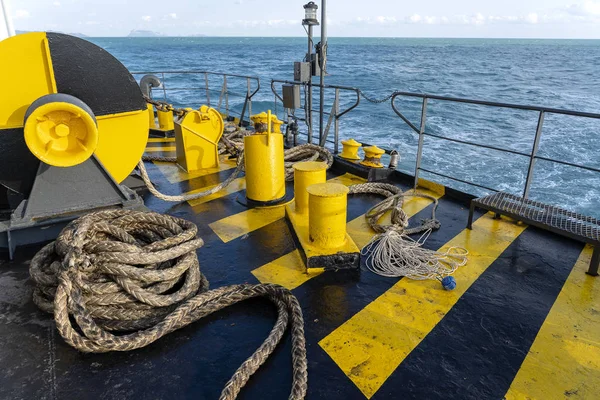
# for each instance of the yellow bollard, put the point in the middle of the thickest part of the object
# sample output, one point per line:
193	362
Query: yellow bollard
373	157
327	204
165	120
265	168
350	149
305	174
263	117
151	116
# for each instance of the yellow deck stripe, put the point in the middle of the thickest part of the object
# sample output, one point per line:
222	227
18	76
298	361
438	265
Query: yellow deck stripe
239	224
161	140
564	360
175	175
373	343
235	186
160	148
289	271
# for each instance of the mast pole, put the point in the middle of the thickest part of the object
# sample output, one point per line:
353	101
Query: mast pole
323	62
6	20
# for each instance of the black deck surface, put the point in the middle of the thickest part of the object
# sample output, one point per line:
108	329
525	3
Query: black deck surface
474	352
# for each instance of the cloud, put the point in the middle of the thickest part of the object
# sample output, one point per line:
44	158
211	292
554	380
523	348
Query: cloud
147	18
21	14
415	18
56	4
478	19
532	18
172	15
587	9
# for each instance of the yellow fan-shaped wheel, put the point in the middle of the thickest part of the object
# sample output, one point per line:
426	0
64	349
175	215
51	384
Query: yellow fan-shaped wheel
61	130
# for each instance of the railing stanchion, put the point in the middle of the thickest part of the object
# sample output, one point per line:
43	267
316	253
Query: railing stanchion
336	145
421	137
163	86
226	95
249	97
221	95
534	150
207	89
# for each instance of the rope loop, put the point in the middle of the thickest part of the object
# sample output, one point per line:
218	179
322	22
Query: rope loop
118	280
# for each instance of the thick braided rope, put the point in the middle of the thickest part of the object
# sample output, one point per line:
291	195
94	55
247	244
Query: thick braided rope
305	152
138	273
191	196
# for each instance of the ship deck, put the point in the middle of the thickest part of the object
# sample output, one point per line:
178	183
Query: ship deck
523	322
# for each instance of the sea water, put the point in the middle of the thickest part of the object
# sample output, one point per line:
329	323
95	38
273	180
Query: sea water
551	73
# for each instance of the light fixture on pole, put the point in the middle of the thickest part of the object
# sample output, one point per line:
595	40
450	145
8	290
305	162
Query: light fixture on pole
310	14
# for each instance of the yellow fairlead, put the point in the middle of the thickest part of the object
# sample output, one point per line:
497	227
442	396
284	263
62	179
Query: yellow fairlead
197	138
265	168
305	174
350	149
373	157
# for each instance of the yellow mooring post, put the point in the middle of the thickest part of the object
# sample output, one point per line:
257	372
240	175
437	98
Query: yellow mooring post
165	120
350	149
265	118
265	168
320	233
373	157
305	174
327	203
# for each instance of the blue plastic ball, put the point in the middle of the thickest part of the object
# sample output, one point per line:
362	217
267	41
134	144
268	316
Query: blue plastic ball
449	283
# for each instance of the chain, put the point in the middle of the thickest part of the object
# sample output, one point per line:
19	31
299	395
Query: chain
164	106
376	101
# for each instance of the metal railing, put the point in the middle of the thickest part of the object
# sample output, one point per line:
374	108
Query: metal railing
247	85
333	116
533	155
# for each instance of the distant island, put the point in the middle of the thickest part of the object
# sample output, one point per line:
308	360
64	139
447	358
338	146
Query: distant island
142	33
150	34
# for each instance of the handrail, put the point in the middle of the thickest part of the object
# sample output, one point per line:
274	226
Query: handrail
335	113
496	104
255	78
532	155
349	88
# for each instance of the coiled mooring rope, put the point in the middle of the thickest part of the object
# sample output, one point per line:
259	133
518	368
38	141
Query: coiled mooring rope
128	278
392	252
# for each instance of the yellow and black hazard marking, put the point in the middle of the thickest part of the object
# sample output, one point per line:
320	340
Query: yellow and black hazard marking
96	92
522	322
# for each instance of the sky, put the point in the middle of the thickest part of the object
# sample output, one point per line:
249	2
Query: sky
379	18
